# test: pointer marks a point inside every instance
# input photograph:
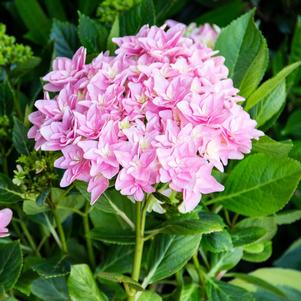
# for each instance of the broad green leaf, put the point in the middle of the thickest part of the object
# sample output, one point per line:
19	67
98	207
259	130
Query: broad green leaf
10	264
111	236
168	254
133	19
9	193
223	14
245	52
115	32
116	259
190	292
21	69
269	86
82	285
54	289
208	223
25	280
119	278
221	291
64	37
166	9
217	242
270	105
225	261
6	99
260	283
295	54
260	185
295	153
254	248
92	34
287	217
268	223
149	296
55	9
268	146
285	280
246	236
35	20
31	208
293	125
87	7
291	258
22	144
52	268
259	257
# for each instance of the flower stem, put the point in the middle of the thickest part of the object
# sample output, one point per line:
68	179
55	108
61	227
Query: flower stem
87	237
140	226
60	231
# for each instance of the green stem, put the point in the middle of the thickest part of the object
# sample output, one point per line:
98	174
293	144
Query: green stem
140	226
60	231
87	237
26	232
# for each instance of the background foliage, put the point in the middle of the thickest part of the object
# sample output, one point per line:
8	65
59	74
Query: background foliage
62	249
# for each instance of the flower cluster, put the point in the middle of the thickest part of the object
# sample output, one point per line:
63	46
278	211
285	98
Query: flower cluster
162	110
10	51
5	218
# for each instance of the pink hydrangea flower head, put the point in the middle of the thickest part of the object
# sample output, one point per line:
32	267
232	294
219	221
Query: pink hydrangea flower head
5	218
161	110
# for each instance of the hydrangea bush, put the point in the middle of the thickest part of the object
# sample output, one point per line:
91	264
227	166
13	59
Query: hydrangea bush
152	174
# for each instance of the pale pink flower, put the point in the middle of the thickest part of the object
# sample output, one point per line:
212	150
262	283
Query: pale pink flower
5	218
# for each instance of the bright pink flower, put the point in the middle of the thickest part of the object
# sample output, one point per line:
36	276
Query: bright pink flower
65	71
5	218
161	110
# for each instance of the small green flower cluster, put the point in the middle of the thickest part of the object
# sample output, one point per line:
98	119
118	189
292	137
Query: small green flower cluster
35	172
109	9
10	51
4	127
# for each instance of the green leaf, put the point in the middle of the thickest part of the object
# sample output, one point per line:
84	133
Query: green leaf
87	7
52	268
121	237
291	258
6	99
35	20
284	279
54	289
8	191
293	125
64	36
133	19
168	254
82	285
92	34
31	208
20	140
208	223
120	278
221	291
246	236
287	217
259	257
10	264
55	9
269	86
268	146
225	261
149	296
117	259
21	69
114	33
295	54
260	283
260	185
245	52
166	9
270	105
223	14
268	223
217	242
190	292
